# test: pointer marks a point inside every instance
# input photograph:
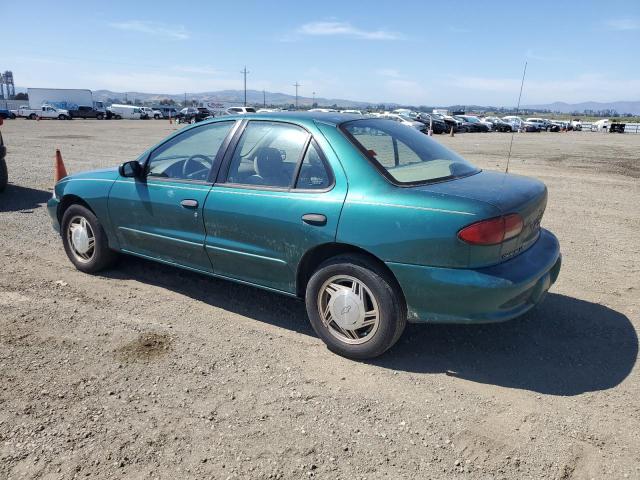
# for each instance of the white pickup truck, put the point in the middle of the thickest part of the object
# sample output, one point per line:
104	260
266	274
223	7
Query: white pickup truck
46	111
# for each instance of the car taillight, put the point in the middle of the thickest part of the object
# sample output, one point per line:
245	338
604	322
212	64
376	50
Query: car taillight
492	231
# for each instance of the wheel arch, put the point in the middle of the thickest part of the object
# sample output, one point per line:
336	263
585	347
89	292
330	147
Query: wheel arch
68	200
312	259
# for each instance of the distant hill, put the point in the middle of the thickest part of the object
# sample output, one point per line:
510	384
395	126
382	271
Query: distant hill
231	96
620	107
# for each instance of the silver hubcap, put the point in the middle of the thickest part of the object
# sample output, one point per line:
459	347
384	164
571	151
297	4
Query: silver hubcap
348	309
81	239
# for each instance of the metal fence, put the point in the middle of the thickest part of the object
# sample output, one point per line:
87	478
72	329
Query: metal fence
12	104
628	127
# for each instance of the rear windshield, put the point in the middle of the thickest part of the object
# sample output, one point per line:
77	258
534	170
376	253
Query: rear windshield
404	154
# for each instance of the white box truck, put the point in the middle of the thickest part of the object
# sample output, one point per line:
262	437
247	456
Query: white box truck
70	99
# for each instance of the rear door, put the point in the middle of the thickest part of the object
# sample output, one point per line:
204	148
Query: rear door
160	215
279	193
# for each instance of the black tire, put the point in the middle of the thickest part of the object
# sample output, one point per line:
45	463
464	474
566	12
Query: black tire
33	116
61	117
391	307
4	175
12	116
99	116
102	256
118	117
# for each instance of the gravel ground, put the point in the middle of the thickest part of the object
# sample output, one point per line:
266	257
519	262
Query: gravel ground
151	372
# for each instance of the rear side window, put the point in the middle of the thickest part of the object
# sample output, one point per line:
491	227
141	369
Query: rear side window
267	154
314	174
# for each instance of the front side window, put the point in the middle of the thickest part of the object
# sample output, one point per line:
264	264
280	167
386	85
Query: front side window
190	155
267	154
404	154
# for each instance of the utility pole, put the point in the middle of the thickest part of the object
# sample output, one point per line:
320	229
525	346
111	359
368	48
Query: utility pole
314	99
297	85
244	72
264	99
185	99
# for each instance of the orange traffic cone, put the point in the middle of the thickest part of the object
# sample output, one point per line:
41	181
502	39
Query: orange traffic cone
451	132
59	170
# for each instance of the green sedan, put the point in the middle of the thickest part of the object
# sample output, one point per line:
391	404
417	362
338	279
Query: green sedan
372	223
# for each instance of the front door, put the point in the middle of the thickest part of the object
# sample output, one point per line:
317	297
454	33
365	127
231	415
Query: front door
160	214
276	197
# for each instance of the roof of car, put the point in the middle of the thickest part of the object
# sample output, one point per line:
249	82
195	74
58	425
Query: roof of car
333	118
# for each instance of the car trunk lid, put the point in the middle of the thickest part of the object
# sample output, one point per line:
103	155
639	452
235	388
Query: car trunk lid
509	194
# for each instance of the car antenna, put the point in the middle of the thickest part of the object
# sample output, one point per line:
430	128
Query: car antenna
517	111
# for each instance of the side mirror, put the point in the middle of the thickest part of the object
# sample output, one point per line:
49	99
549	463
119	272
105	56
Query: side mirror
130	169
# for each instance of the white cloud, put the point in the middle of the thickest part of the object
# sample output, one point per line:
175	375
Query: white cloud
178	32
150	82
388	72
345	29
583	87
624	24
200	70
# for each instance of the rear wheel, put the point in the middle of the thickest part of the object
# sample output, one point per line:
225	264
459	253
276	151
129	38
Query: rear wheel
85	241
99	116
354	307
33	116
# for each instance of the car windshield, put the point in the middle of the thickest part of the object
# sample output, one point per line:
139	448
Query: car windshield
404	154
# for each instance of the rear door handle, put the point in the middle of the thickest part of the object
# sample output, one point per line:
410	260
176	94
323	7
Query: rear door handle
314	219
189	203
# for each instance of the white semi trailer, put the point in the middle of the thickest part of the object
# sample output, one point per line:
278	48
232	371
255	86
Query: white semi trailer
65	98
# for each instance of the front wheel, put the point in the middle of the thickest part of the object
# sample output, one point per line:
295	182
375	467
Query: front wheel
355	307
85	241
61	117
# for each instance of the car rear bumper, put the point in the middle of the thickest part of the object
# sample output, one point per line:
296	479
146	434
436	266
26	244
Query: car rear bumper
484	295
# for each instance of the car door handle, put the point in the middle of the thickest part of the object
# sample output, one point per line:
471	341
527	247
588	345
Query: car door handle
188	203
314	219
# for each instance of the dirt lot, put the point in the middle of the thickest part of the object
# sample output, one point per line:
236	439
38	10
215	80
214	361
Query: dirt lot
151	372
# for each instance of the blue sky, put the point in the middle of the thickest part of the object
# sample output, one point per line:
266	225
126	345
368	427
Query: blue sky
422	52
